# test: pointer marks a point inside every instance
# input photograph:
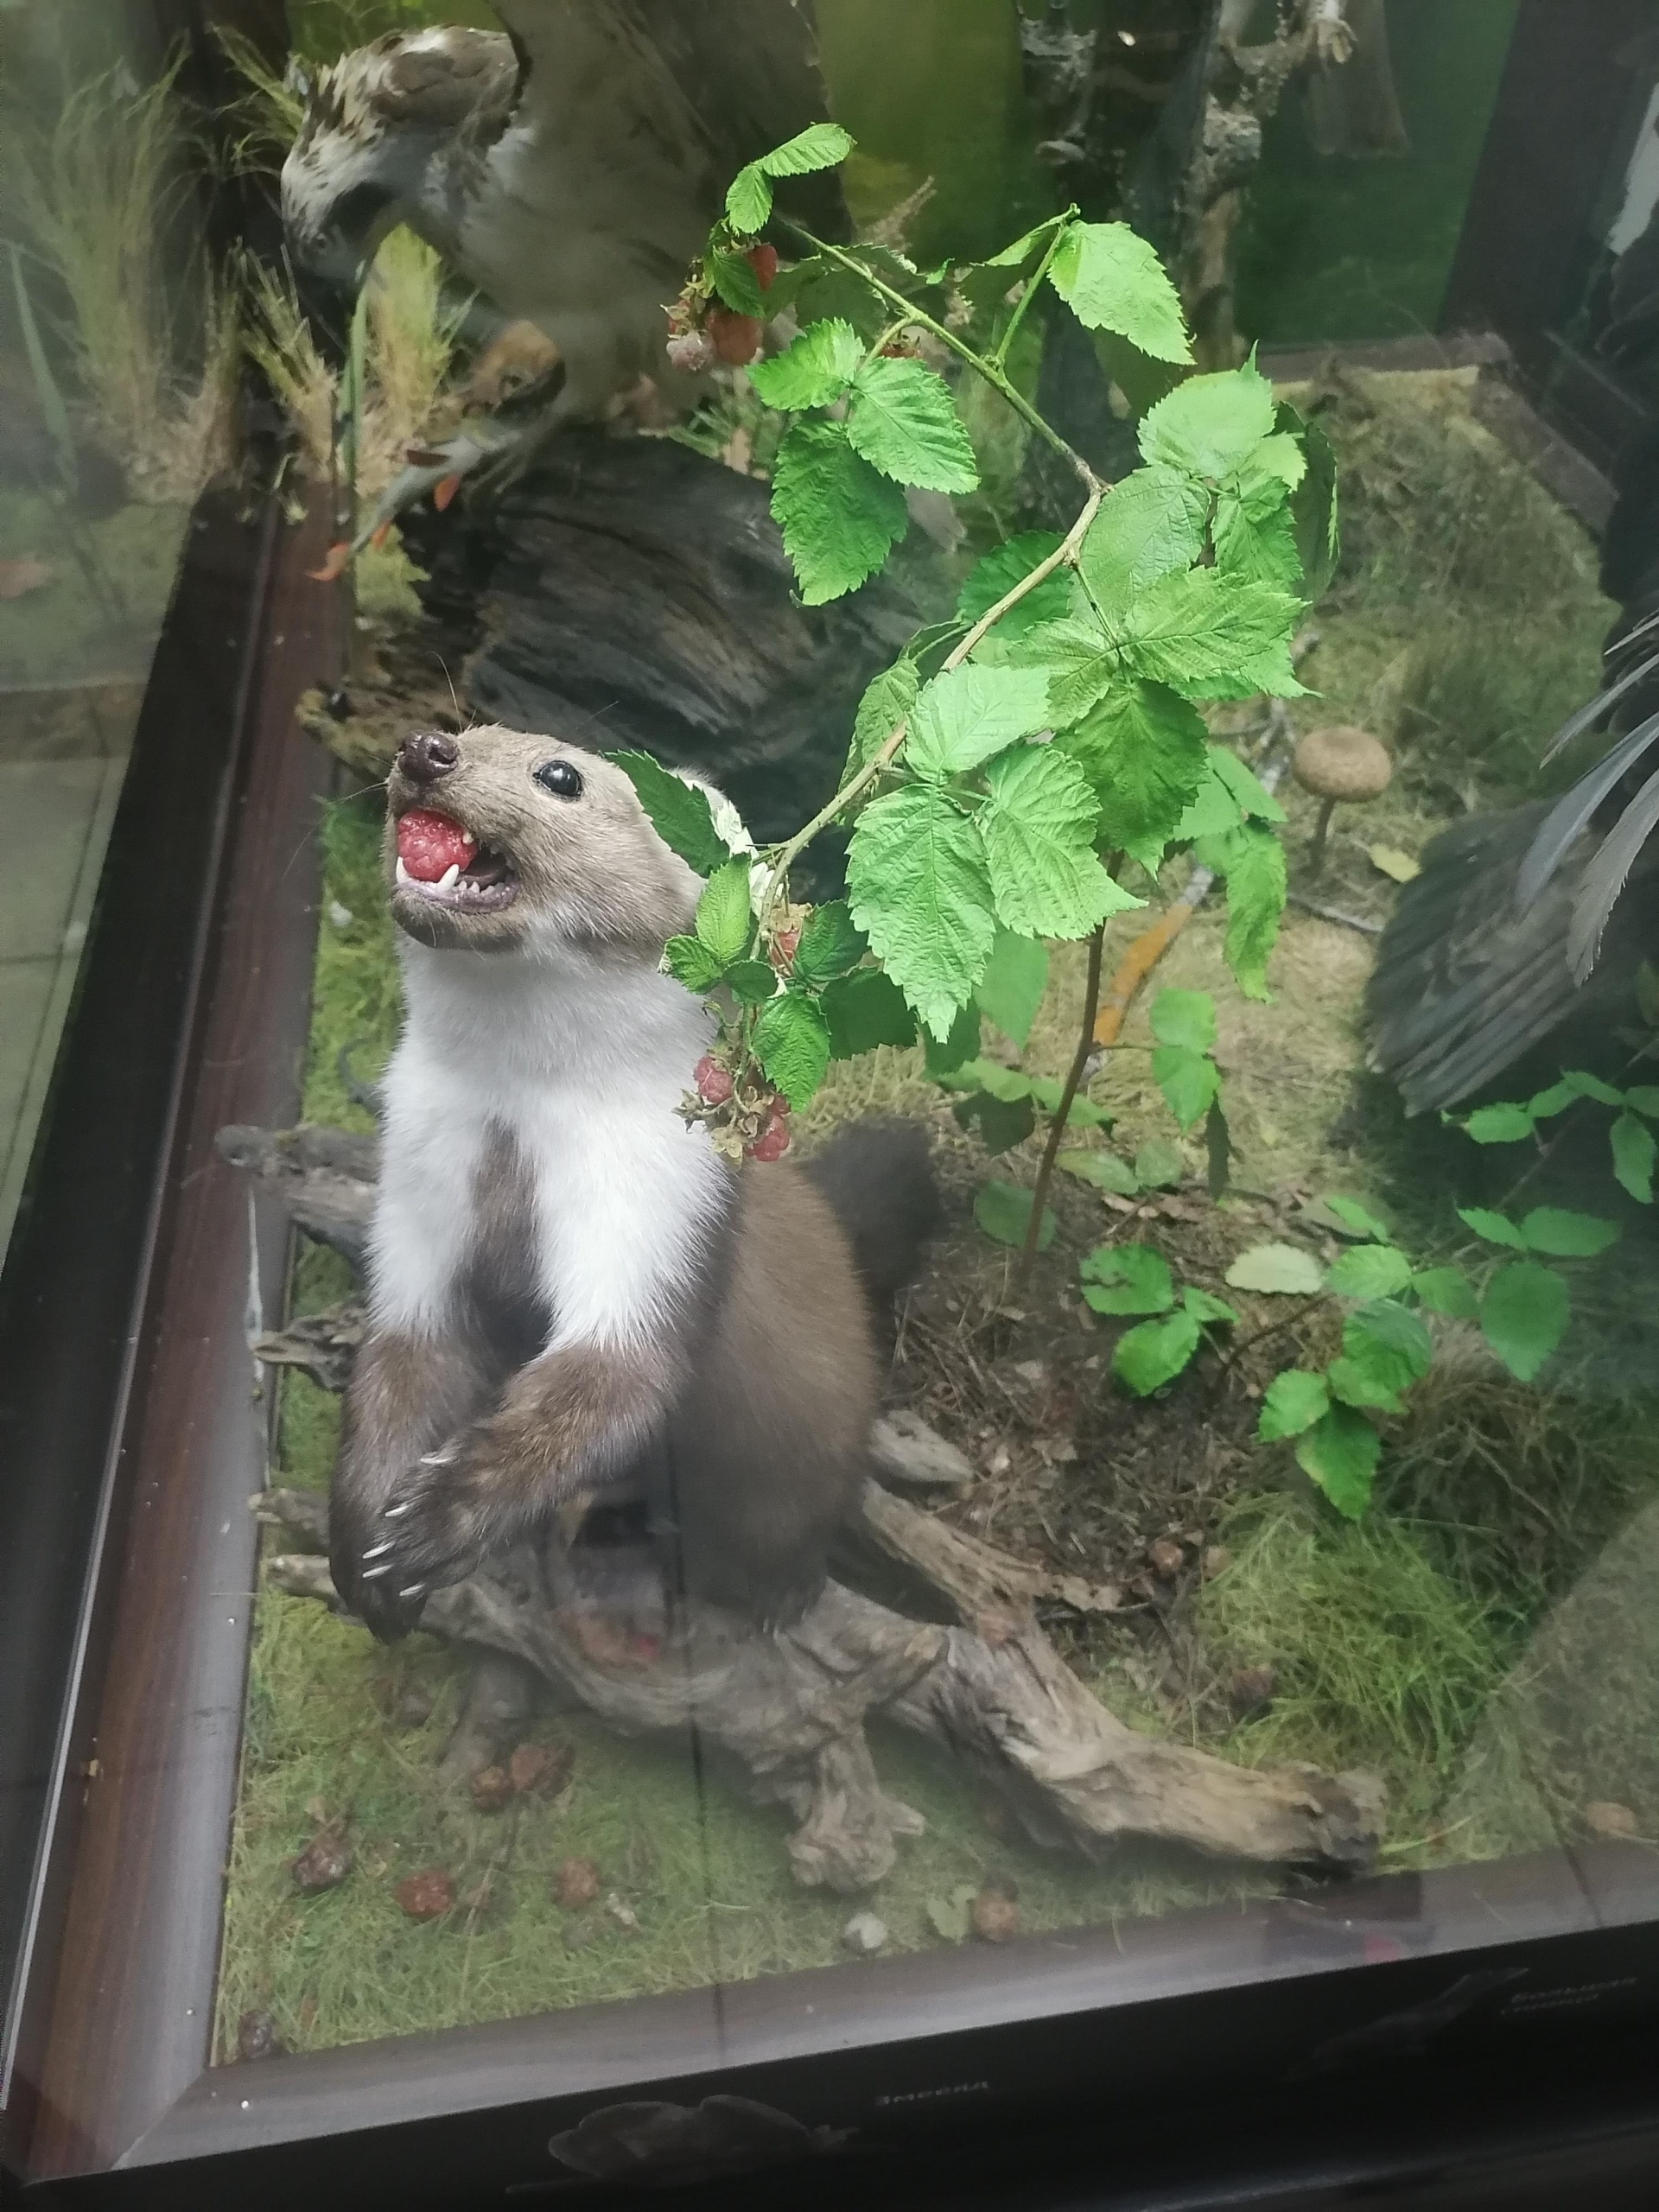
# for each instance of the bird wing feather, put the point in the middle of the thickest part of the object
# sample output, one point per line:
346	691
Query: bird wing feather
1573	812
1605	877
706	85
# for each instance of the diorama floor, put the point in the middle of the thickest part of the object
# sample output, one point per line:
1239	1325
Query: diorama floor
1486	1637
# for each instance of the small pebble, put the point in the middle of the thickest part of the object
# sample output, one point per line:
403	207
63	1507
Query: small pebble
1251	1690
540	1766
1607	1819
256	2036
1002	1460
426	1895
414	1707
341	917
864	1935
1216	1560
578	1883
995	1913
1167	1556
624	1914
324	1863
491	1788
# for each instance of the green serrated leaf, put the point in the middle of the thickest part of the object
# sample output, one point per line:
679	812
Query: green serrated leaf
1211	425
1563	1236
1152	523
992	579
1254	535
1643	1098
948	1919
1003	1212
1340	1453
725	920
902	419
1291	1405
1128	1279
1159	1166
1386	1349
751	982
678	811
1074	657
1555	1101
831	943
791	1042
1313	505
1048	1091
1006	1084
738	287
1359	1220
1493	1228
1635	1152
1188	1080
817	369
748	201
1111	279
1103	1169
820	146
1253	862
1208	636
1592	1086
964	717
1279	1270
1185	1018
1011	989
1499	1125
1446	1290
1210	1311
947	1055
1156	1352
886	702
839	516
1523	1315
1145	754
920	889
1369	1271
1214	810
863	1010
690	962
1255	801
1002	1123
1038	834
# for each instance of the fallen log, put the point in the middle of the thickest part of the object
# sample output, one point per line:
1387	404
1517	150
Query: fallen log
789	1708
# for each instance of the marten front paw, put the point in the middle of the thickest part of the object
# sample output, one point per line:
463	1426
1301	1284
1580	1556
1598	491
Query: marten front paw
432	1531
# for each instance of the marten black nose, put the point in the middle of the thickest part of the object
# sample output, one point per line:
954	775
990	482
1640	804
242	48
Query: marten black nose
428	755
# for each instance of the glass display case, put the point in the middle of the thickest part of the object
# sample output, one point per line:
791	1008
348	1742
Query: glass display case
830	1014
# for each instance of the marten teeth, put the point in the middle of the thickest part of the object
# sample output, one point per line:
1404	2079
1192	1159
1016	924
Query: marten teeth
450	877
404	876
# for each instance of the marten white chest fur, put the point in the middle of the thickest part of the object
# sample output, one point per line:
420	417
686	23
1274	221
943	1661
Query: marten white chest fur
572	1296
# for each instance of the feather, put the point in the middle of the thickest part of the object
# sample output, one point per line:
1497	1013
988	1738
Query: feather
1606	878
1573	813
1587	717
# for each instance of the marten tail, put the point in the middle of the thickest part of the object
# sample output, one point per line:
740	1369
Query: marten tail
879	1181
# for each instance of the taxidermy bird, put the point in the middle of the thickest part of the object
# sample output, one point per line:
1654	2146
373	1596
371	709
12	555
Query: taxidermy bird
569	167
1535	925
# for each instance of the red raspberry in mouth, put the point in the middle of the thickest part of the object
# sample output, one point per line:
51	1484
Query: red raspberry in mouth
429	845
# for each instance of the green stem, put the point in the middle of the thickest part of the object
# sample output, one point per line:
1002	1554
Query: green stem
1057	1128
992	375
787	855
999	358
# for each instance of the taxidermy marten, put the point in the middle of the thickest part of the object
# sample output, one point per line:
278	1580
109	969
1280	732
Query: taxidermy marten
573	1297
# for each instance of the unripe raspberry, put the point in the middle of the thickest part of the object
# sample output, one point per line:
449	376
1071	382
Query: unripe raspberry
772	1145
693	353
714	1083
784	947
763	259
736	337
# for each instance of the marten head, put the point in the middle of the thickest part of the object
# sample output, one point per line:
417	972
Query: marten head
496	842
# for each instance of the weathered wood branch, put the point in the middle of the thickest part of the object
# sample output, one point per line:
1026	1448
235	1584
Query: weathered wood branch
791	1707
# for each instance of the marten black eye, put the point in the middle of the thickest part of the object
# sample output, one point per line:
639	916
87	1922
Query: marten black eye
559	778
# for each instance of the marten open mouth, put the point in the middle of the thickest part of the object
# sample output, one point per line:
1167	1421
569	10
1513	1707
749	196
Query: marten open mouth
440	862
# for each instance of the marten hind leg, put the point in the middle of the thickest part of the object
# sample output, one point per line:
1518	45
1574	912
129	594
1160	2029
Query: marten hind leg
567	1425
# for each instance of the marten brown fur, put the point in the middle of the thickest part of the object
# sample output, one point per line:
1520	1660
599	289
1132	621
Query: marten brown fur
572	1296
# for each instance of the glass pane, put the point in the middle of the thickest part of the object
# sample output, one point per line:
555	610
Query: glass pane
953	1313
113	418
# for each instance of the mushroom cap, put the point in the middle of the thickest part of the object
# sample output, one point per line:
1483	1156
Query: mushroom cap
1342	763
